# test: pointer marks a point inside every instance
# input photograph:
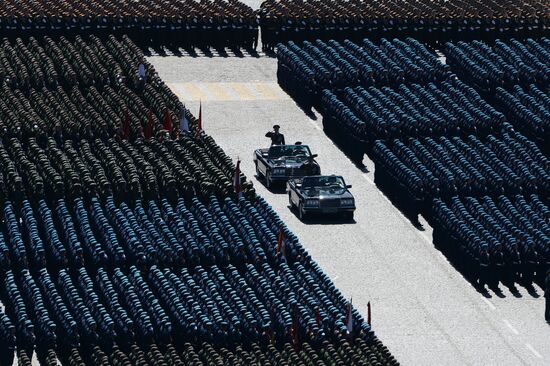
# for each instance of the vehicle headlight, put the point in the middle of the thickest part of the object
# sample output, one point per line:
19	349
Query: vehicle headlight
347	202
312	203
279	171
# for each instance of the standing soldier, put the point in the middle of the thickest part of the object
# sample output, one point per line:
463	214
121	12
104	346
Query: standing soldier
7	340
276	137
547	295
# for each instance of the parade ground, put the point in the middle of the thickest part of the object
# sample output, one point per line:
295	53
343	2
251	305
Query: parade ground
423	309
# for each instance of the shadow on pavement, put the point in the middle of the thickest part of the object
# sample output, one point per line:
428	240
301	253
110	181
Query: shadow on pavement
399	198
328	219
209	52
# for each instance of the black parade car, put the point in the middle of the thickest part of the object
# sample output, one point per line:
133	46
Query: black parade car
321	194
280	163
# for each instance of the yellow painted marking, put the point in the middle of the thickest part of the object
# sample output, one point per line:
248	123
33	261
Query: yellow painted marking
195	91
242	90
228	91
178	90
218	91
267	91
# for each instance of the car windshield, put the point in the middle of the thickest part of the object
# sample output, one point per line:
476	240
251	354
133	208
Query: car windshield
279	151
323	182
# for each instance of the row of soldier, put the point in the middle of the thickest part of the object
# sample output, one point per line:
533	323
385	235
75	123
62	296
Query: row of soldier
108	234
185	23
432	21
355	353
264	304
86	61
334	65
502	64
99	85
447	108
188	23
107	326
529	110
512	234
315	74
493	160
503	163
129	171
102	112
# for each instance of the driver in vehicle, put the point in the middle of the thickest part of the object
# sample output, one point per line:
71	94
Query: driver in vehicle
288	151
324	182
297	151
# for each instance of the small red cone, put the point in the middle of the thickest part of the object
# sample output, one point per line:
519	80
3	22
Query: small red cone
280	243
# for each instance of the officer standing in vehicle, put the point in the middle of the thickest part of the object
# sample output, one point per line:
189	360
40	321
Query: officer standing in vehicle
276	137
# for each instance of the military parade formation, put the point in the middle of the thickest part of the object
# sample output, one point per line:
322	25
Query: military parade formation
124	237
431	21
150	23
152	275
462	131
503	64
449	108
335	65
129	237
528	109
231	23
502	239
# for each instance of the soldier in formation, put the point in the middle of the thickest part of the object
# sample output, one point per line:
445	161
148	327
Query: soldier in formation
547	296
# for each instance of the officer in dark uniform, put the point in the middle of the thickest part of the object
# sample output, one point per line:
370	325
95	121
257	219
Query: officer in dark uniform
276	137
7	340
547	295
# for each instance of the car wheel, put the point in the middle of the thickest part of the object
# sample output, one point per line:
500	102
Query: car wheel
268	182
301	213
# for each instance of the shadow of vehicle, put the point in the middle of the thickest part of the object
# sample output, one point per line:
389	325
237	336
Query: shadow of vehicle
323	219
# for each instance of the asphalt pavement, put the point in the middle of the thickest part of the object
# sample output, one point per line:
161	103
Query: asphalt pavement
422	308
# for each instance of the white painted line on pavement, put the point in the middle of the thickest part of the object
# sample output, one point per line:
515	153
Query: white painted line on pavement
318	128
429	241
489	303
509	325
530	348
372	182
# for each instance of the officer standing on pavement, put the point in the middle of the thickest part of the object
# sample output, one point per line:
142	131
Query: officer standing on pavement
276	137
